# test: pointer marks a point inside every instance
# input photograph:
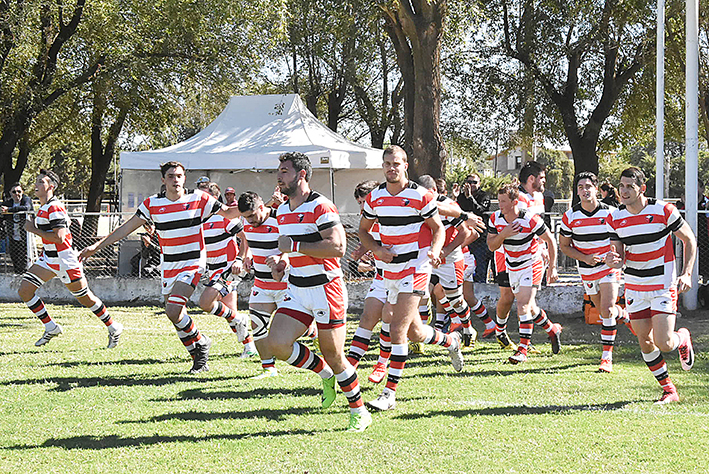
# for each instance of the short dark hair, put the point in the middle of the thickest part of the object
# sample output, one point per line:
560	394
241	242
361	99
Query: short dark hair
509	189
249	201
393	150
364	188
171	164
300	162
530	168
635	173
587	175
441	185
427	181
52	177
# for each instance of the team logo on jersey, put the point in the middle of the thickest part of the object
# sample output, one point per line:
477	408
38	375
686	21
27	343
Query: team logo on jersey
650	218
601	220
281	219
590	285
301	217
254	293
406	202
623	222
286	298
320	313
211	225
629	300
269	229
187	206
161	210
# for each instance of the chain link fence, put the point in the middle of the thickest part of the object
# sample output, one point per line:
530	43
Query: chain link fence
138	256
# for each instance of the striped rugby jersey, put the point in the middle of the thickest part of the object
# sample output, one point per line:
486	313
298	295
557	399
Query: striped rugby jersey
533	203
53	215
304	224
220	242
451	224
378	264
263	243
179	227
589	235
401	226
649	253
523	249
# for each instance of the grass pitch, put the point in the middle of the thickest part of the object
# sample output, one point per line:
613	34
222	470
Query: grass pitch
73	406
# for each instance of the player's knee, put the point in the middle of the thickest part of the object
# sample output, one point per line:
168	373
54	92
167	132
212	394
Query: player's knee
664	344
26	291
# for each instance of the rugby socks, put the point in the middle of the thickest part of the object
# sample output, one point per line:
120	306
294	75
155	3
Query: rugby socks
608	333
347	380
541	320
384	344
481	312
268	363
657	365
434	336
359	346
188	332
37	307
223	311
424	311
399	354
526	327
440	321
304	358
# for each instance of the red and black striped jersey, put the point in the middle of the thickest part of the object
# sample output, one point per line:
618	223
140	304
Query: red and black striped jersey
263	243
589	235
523	249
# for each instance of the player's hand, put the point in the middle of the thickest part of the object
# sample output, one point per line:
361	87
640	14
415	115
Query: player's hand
30	227
455	190
285	244
385	254
613	260
358	252
552	275
593	259
435	258
511	229
278	197
237	268
279	270
248	264
87	252
684	283
476	222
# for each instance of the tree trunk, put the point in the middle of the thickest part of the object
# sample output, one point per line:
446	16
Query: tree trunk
101	158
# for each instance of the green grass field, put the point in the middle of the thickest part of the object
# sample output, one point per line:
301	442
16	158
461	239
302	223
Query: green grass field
73	406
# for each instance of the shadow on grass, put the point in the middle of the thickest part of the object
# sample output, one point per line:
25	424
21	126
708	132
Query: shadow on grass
86	363
264	392
269	414
489	373
65	384
519	410
115	441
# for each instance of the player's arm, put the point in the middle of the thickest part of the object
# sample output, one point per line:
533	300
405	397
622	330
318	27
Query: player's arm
56	235
452	209
686	235
459	240
333	244
495	240
438	237
566	245
548	237
229	212
368	242
615	258
120	233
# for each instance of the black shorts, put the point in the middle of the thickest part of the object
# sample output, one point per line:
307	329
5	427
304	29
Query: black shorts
503	279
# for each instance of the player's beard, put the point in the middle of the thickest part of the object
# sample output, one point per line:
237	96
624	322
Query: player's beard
289	188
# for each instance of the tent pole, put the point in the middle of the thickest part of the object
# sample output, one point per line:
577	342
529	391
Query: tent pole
332	185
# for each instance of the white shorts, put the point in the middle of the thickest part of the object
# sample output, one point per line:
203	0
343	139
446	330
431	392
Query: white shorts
660	301
530	276
593	287
262	296
67	267
469	272
450	274
377	290
327	304
189	276
416	283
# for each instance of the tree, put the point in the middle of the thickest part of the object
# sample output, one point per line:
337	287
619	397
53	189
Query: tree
582	57
416	28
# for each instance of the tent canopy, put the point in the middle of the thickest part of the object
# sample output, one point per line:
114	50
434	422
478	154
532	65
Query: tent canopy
252	132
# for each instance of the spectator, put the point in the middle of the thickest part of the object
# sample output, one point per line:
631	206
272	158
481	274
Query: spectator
202	183
702	231
441	186
16	209
473	199
230	196
609	195
146	262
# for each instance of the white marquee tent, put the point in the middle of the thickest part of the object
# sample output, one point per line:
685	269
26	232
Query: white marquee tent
241	148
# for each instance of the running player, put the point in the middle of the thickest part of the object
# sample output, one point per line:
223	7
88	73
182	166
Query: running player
60	260
314	238
375	308
532	178
411	240
515	229
178	216
640	239
448	276
261	231
584	237
225	261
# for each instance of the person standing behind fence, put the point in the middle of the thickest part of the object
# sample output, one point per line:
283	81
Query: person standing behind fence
475	200
17	206
641	240
58	259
